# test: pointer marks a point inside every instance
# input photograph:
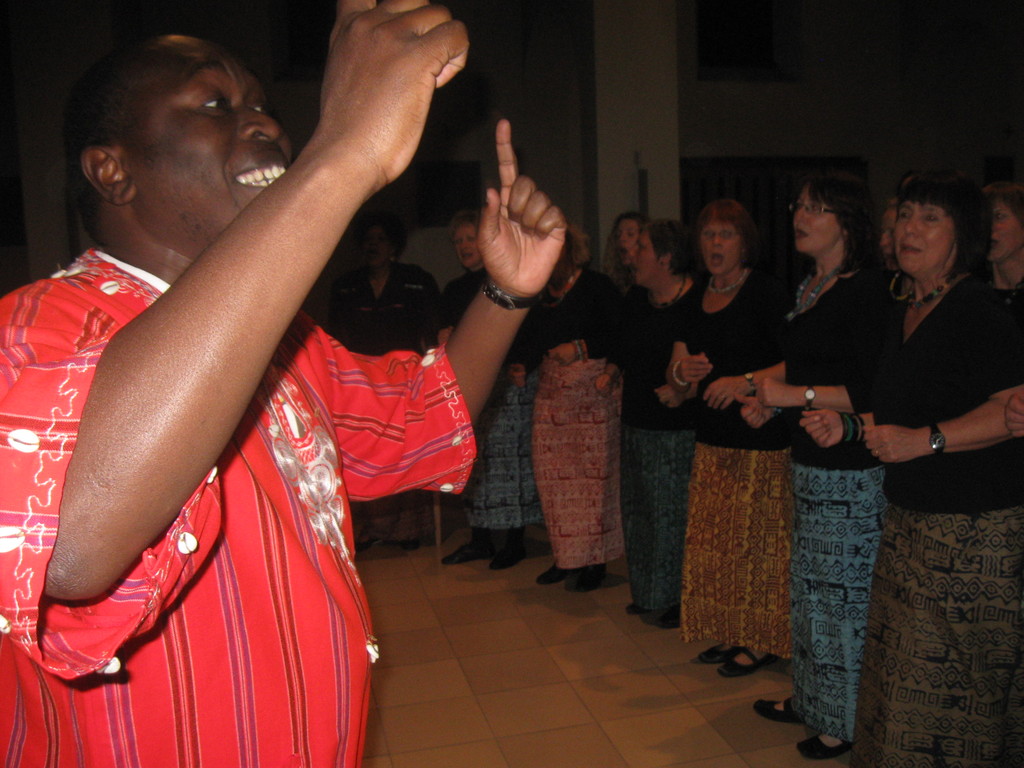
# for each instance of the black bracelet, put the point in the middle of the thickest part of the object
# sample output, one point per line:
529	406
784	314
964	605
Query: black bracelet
507	300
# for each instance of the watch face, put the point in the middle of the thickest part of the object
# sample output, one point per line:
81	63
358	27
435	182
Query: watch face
938	441
809	393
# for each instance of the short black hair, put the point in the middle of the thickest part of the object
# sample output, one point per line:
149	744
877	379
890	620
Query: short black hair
849	197
958	195
669	236
99	110
390	222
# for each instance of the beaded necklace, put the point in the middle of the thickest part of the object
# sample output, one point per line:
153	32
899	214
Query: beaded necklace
802	305
1012	295
916	303
673	300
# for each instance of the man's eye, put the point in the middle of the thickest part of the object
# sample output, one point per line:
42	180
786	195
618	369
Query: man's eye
218	103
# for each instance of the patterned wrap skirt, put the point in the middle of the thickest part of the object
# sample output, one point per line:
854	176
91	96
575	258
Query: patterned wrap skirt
736	566
837	521
502	492
942	682
655	481
576	463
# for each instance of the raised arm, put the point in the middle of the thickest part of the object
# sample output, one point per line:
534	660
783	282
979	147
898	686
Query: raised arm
171	387
521	236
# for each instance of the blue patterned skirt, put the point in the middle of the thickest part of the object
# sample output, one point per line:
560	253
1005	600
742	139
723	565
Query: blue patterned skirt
655	479
501	490
837	521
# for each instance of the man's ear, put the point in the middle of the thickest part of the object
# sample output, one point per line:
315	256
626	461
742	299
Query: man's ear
105	169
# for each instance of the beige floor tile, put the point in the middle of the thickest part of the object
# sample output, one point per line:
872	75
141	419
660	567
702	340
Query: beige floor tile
722	761
787	757
398	618
633	624
377	762
379	565
461	581
582	746
481	754
665	738
545	599
513	669
665	647
414	646
594	658
745	730
383	592
629	694
491	637
701	683
533	709
409	684
556	628
427	725
491	606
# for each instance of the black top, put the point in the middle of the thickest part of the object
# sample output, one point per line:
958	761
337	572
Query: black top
741	337
458	294
837	342
590	311
642	349
965	350
404	316
1013	300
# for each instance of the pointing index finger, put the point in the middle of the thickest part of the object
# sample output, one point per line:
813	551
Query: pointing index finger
508	168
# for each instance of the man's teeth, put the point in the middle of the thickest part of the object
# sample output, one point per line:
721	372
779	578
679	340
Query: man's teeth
261	177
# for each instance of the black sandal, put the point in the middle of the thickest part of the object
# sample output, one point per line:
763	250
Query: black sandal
718	654
732	668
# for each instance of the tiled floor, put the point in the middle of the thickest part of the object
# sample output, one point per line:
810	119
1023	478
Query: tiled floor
486	669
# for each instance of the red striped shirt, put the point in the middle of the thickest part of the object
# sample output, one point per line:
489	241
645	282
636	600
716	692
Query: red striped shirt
241	638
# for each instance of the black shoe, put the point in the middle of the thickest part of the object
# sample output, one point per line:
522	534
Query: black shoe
718	654
670	618
767	709
733	668
590	578
469	552
635	610
507	557
553	575
815	749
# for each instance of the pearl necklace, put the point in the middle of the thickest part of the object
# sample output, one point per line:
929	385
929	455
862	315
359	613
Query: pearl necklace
715	289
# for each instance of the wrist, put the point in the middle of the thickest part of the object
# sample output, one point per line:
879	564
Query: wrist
507	300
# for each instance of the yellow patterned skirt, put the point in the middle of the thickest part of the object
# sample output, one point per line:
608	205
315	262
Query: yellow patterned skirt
736	557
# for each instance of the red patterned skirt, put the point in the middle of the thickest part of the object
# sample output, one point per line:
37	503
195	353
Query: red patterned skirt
576	463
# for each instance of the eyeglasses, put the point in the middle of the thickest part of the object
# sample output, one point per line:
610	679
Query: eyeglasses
724	234
812	208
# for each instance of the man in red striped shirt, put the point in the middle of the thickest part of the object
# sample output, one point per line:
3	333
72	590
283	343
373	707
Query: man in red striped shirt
180	443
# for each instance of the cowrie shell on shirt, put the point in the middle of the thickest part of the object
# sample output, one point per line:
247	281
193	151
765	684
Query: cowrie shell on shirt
112	668
24	440
5	625
11	537
110	287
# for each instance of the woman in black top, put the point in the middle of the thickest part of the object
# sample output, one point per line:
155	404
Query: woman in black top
380	307
831	344
942	677
657	439
1006	254
576	427
736	561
